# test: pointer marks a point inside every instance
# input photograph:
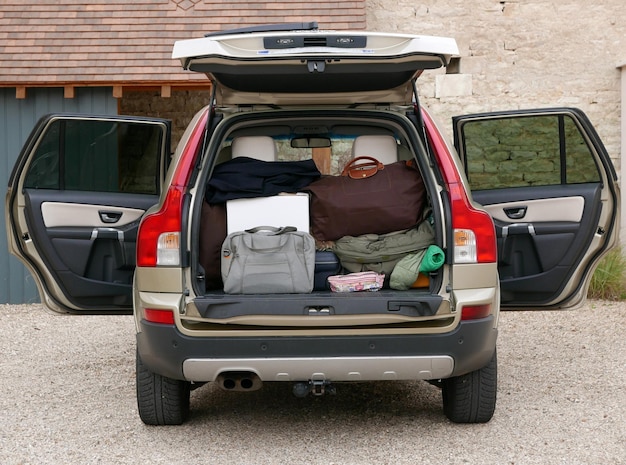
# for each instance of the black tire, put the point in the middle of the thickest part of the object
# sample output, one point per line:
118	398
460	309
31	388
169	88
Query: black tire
471	398
161	400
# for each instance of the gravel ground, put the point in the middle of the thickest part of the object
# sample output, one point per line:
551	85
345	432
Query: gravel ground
69	398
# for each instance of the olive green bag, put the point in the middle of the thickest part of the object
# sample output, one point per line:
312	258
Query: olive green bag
381	252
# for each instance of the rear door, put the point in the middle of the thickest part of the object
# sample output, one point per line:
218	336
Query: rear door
278	67
75	199
548	182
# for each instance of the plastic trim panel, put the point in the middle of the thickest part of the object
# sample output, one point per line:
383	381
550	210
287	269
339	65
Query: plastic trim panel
335	368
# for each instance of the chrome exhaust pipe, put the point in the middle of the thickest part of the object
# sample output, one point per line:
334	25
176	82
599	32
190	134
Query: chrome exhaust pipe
239	381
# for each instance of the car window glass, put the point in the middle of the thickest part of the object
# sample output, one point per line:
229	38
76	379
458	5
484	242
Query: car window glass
330	160
527	151
93	155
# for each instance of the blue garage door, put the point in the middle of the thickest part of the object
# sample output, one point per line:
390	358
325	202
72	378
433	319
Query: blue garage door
17	118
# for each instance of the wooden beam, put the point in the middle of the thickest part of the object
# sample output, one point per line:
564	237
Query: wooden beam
69	92
118	91
20	92
321	157
166	91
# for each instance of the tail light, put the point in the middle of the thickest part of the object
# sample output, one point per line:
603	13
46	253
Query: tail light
474	234
154	315
465	246
158	239
474	312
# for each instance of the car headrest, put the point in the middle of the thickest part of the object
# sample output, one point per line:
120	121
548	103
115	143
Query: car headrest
383	148
257	147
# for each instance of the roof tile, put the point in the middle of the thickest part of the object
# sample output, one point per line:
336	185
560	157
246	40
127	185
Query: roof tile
48	42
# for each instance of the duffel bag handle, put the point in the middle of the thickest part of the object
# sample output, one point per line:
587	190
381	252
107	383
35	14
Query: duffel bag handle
362	167
273	230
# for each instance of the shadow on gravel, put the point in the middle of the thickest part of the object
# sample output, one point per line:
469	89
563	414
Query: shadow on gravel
353	402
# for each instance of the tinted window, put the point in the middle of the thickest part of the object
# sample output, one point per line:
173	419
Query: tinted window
527	151
330	160
92	155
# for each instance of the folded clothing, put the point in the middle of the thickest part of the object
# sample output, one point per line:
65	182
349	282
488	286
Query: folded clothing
244	177
407	270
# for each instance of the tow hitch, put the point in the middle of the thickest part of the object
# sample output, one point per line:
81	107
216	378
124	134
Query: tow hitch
317	387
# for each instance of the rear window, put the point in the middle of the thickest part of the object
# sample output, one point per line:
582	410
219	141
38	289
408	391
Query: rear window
503	153
94	155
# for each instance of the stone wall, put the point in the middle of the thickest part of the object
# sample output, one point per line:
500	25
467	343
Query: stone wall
180	107
514	54
533	151
520	54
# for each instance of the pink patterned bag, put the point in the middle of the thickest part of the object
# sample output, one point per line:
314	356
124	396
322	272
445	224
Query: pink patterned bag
354	282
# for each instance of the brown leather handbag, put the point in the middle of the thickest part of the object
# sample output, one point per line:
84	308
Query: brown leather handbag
369	198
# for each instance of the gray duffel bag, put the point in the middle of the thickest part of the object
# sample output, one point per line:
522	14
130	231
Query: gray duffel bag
268	260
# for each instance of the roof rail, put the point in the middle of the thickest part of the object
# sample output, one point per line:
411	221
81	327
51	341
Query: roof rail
310	26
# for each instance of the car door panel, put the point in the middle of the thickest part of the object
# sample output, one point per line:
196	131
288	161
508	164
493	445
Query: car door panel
93	260
71	214
554	206
537	257
76	198
538	210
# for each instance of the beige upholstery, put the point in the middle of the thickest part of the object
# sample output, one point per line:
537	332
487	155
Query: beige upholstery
258	147
383	148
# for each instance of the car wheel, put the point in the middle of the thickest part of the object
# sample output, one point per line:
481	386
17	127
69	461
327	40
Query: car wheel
471	398
161	400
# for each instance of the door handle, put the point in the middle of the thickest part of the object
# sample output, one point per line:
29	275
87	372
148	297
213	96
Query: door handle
107	216
515	213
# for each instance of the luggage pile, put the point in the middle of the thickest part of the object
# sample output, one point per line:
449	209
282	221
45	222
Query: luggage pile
282	227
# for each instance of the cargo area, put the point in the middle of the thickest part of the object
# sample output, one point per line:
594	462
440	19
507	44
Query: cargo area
375	241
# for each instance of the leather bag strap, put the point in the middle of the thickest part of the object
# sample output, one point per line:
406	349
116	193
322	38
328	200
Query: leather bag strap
362	167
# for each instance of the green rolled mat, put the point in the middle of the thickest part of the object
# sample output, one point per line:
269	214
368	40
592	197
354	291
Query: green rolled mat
433	259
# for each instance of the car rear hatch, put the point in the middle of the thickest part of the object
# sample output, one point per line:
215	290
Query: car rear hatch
426	304
312	66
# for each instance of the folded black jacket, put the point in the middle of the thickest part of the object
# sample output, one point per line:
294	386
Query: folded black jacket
244	177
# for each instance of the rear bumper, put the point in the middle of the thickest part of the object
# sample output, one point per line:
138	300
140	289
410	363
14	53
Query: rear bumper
323	368
166	351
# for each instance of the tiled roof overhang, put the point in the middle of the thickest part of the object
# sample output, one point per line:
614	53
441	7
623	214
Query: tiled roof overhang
124	44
